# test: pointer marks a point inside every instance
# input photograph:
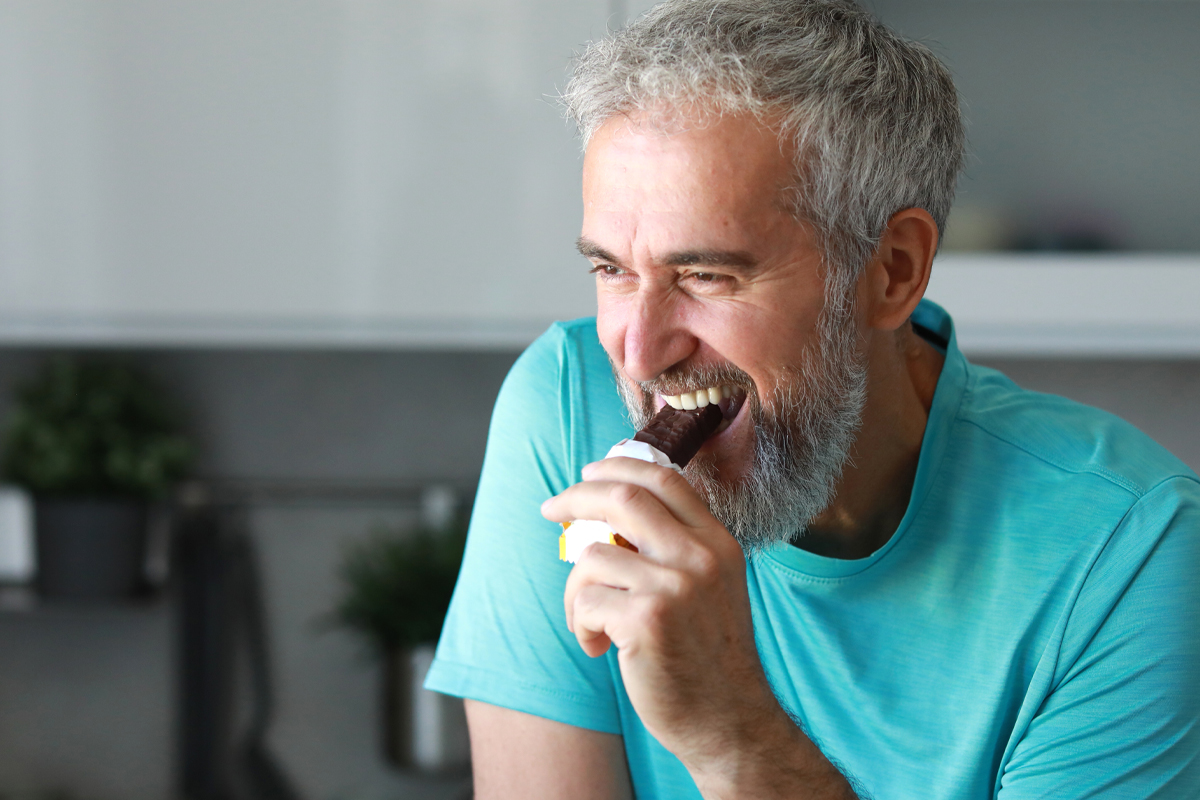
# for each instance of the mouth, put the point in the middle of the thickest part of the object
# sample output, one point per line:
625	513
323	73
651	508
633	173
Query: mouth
729	399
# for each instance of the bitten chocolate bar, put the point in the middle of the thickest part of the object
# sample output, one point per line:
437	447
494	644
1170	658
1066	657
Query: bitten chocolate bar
671	439
679	434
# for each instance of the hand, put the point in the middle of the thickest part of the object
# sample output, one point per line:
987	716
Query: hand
677	610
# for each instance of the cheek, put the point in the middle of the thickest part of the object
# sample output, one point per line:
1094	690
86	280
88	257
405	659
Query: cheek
761	341
743	336
610	328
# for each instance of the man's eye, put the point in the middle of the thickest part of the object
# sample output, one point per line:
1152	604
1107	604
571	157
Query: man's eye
707	277
607	270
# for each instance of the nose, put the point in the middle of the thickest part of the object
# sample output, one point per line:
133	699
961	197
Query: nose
656	336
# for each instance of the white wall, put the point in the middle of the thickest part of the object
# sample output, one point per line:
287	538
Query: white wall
1080	112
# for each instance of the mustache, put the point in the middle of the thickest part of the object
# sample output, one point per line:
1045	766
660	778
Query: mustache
683	377
638	396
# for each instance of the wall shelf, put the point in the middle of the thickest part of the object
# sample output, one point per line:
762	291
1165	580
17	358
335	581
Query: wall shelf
1111	305
1119	305
23	599
301	332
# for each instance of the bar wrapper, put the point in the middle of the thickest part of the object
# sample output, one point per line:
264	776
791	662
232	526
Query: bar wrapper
578	534
631	448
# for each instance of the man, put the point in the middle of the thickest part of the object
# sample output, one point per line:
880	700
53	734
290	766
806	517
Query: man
891	573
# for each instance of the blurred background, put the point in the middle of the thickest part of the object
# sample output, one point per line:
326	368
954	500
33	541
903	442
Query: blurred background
321	231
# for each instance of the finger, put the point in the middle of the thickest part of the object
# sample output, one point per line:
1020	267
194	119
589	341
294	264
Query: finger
594	499
611	566
668	485
598	612
631	510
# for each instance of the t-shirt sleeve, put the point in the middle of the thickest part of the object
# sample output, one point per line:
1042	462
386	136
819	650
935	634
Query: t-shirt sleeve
505	639
1123	718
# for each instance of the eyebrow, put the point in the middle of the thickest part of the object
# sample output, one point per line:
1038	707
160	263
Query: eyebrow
589	249
737	259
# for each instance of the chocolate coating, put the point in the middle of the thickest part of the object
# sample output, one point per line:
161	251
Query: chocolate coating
679	434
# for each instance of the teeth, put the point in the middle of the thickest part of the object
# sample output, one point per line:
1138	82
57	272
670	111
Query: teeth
699	398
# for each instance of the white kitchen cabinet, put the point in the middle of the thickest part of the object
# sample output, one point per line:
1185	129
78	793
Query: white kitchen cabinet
324	169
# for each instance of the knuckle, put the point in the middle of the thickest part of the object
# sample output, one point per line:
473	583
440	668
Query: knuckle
625	493
653	613
706	565
585	600
687	593
583	573
589	605
664	479
677	584
591	561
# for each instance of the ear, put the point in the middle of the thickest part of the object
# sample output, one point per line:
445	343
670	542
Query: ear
895	279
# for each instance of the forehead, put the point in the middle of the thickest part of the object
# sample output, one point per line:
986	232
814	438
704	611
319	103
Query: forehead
729	172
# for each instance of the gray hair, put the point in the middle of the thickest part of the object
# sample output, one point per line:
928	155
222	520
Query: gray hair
872	118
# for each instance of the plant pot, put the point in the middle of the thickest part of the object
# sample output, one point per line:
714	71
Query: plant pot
422	730
90	549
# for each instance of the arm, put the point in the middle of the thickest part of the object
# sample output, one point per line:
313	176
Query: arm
504	644
678	613
550	760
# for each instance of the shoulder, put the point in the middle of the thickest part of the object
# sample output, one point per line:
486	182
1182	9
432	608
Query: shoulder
1062	436
562	384
552	368
565	348
1061	483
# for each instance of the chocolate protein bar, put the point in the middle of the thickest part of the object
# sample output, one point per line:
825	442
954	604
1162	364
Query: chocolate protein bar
679	435
671	439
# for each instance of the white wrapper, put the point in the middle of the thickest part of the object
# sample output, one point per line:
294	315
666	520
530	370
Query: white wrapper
579	534
630	448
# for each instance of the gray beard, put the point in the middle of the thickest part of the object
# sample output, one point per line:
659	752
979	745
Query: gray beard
803	434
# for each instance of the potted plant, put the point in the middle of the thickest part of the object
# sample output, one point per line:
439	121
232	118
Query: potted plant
94	441
397	590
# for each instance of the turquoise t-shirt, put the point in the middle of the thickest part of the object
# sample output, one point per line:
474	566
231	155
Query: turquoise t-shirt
1031	630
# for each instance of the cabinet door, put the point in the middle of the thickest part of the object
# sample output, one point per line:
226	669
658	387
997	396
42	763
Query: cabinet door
319	168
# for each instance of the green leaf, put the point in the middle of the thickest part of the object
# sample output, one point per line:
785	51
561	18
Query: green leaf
94	426
398	584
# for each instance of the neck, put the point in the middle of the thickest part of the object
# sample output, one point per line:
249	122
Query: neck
875	487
